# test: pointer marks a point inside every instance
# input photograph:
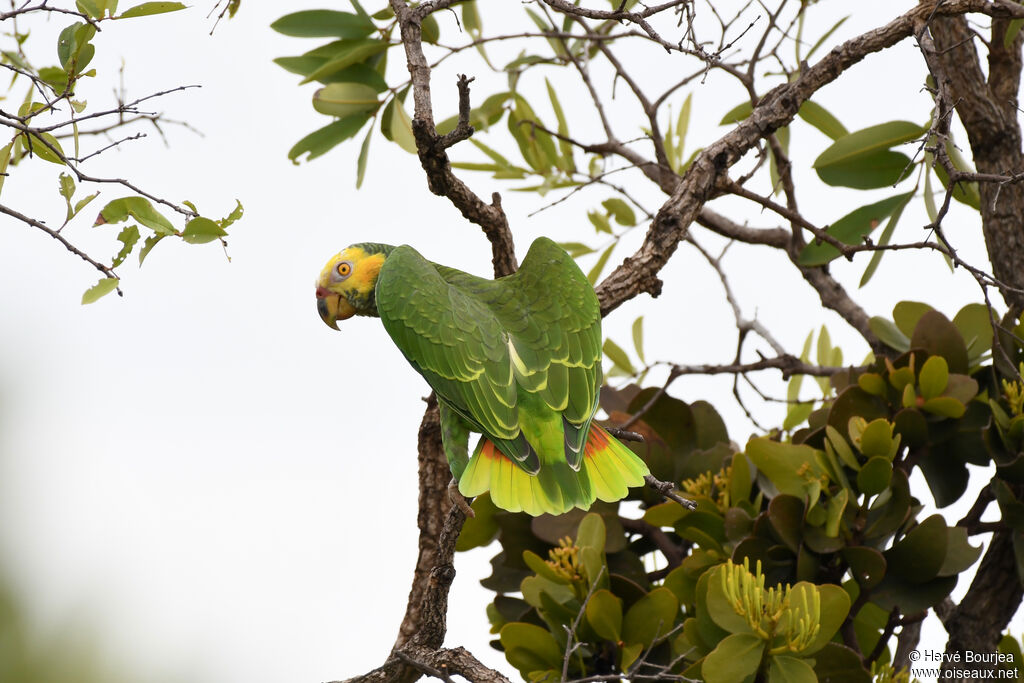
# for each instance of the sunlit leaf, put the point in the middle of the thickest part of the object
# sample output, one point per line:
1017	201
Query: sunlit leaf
883	239
595	271
148	8
819	117
128	237
322	23
323	139
618	356
100	289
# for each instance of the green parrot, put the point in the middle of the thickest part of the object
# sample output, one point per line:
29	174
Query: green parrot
517	360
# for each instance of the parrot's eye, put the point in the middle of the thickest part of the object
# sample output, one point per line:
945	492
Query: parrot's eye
344	269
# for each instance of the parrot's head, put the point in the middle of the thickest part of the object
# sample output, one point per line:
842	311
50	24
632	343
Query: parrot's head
347	282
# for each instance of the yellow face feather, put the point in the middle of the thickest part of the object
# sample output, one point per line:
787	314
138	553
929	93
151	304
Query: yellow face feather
346	285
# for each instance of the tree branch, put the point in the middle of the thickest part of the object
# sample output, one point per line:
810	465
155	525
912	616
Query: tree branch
431	146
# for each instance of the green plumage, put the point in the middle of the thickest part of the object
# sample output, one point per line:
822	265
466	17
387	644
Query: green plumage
516	359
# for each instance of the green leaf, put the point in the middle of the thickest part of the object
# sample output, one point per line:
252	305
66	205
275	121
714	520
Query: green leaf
889	333
100	289
964	192
638	337
148	245
604	613
595	271
975	325
592	532
345	99
792	468
530	648
734	659
481	529
682	126
737	113
786	669
629	654
351	52
138	208
939	337
236	214
851	228
599	221
868	141
5	159
429	30
148	8
874	476
322	23
651	617
819	117
825	36
401	127
835	605
906	315
45	152
836	507
618	357
945	406
128	237
934	377
94	8
866	564
883	239
1012	29
73	48
364	153
567	161
876	438
66	187
919	555
885	168
201	230
302	65
960	554
536	146
320	141
471	18
620	211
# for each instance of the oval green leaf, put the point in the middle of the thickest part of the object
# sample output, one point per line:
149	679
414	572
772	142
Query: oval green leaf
100	289
604	613
865	142
735	658
323	24
345	99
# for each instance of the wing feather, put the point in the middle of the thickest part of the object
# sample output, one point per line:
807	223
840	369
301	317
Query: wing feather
452	339
553	320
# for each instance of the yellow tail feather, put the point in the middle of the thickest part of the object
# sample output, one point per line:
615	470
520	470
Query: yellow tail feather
609	470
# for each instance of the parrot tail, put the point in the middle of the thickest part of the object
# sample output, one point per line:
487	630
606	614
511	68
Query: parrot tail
609	469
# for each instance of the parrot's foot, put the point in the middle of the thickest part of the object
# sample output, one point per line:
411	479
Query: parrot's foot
460	500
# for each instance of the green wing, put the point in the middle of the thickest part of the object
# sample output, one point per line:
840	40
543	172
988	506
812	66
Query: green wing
554	322
483	345
457	344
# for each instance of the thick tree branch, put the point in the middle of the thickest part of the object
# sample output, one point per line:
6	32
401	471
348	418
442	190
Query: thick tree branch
638	273
431	146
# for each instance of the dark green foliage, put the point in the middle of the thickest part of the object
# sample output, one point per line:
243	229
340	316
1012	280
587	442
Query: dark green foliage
828	514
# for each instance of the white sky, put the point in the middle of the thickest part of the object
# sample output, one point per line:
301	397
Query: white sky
222	488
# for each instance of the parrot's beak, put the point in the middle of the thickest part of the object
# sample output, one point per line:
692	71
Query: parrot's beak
332	307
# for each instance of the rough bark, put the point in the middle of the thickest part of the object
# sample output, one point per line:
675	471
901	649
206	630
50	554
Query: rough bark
988	110
978	622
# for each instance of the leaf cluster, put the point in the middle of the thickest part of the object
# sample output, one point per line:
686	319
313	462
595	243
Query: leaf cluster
827	517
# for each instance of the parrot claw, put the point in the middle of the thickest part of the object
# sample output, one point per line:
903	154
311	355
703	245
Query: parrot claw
458	499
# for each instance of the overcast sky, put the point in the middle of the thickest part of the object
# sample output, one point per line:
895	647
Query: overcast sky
220	487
